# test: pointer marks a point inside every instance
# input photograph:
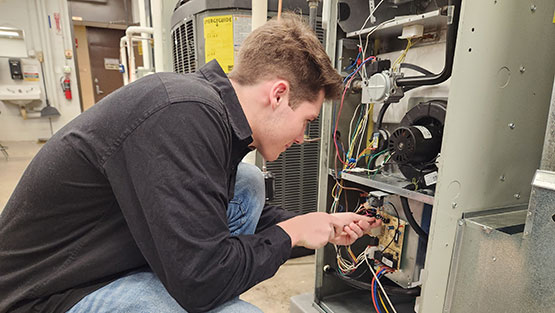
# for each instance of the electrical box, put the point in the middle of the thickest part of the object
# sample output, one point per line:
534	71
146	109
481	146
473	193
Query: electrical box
15	69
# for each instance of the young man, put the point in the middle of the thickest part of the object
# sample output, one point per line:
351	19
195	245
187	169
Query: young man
141	203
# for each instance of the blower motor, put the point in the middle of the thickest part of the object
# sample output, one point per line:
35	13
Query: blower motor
416	144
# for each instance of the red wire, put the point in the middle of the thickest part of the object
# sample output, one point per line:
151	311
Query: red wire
341	107
372	292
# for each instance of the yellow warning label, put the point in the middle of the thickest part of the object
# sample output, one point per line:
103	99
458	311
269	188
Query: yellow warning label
218	40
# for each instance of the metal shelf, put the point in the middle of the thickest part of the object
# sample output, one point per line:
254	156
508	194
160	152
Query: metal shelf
395	27
390	184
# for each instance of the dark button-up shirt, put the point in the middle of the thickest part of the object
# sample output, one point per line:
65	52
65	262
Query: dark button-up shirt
141	179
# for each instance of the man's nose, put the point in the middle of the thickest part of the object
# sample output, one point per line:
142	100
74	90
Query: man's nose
300	139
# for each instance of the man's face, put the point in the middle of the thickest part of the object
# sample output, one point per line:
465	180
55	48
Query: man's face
287	126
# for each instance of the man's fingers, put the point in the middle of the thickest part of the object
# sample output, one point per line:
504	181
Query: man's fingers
355	228
353	236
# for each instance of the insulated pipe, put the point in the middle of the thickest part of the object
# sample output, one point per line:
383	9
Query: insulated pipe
415	81
123	58
47	54
128	34
143	23
259	13
156	8
280	6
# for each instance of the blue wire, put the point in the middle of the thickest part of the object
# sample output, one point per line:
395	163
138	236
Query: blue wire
333	112
354	63
379	274
358	68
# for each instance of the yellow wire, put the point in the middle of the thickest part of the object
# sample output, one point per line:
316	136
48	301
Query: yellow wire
381	300
352	254
403	54
351	145
370	129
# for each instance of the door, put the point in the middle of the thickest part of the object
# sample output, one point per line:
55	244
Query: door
104	60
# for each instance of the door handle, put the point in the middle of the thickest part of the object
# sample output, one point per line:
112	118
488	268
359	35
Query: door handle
98	91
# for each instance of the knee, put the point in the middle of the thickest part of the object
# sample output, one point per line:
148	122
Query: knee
249	184
250	177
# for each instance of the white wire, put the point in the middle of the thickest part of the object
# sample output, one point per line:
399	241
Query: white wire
379	283
367	39
363	25
351	125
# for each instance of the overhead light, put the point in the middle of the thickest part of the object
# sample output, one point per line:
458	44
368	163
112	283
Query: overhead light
12	33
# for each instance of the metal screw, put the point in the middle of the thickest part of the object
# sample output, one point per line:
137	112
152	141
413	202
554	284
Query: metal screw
526	233
454	205
533	8
512	125
522	69
529	213
502	178
494	259
517	195
326	268
447	245
461	223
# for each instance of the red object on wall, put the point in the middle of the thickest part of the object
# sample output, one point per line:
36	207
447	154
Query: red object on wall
66	86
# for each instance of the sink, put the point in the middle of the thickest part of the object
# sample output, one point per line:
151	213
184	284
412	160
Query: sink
19	94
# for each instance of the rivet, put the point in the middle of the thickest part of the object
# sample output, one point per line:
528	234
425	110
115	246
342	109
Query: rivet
454	205
502	178
512	125
522	69
461	222
517	195
529	213
526	233
494	259
533	8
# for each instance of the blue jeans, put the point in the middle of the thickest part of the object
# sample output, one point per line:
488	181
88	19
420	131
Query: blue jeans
141	292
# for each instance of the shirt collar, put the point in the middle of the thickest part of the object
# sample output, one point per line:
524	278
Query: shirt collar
214	74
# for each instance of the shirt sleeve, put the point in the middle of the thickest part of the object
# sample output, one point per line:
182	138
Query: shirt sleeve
271	215
170	177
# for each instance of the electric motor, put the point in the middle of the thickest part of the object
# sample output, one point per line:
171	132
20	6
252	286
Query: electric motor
416	144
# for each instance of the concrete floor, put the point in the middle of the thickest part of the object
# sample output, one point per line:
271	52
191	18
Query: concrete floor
271	296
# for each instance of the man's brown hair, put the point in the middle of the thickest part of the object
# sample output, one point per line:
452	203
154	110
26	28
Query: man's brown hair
288	49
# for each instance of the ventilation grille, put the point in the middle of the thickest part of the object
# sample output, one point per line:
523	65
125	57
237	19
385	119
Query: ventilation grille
184	52
320	33
296	173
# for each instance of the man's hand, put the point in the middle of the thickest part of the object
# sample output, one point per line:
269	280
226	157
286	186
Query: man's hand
315	230
355	228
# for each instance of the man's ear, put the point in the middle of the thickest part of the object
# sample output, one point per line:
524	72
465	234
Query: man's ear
279	93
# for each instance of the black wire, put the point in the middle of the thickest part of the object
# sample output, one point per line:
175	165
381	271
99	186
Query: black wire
391	290
412	222
416	68
396	230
